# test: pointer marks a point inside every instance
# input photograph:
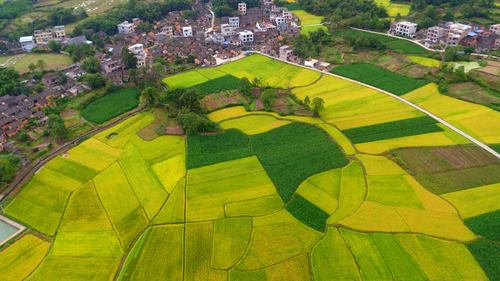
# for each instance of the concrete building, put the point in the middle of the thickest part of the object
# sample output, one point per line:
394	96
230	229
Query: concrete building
60	32
234	22
280	21
435	34
406	29
226	30
246	36
287	15
495	28
126	28
140	54
310	62
285	52
187	31
111	65
43	36
168	30
27	43
456	32
242	8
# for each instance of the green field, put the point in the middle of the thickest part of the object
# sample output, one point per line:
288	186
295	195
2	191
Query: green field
111	105
21	62
370	190
376	76
399	45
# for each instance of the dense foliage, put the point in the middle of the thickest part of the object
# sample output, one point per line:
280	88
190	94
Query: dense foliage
226	82
373	41
311	45
379	77
9	82
395	129
341	13
133	9
224	8
9	164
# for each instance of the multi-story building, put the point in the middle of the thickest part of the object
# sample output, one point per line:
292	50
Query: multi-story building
140	54
287	15
280	21
286	52
234	22
187	31
242	8
246	36
168	30
27	43
60	32
495	28
111	65
226	30
126	28
435	34
406	29
456	32
43	36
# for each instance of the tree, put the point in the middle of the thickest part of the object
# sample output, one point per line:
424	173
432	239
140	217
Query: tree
245	87
268	97
318	104
129	60
95	81
307	102
91	65
150	96
41	65
9	82
55	46
57	129
9	164
193	123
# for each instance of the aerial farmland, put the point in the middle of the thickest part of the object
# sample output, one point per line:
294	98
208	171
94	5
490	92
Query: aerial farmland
372	188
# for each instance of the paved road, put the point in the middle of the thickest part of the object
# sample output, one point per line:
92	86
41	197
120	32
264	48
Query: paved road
442	121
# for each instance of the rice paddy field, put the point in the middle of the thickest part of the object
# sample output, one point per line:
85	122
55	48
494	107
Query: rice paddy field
352	195
394	9
111	105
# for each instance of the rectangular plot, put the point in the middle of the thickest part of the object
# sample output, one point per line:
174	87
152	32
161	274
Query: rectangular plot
396	129
121	204
185	80
170	171
231	238
216	85
441	260
210	73
254	207
19	259
157	255
77	268
392	191
94	154
87	244
475	201
371	263
294	269
330	255
372	216
198	250
40	206
71	169
143	181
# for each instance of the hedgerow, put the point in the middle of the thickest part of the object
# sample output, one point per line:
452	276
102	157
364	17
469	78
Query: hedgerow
379	77
389	130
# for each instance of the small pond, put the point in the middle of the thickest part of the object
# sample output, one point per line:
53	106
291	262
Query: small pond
8	229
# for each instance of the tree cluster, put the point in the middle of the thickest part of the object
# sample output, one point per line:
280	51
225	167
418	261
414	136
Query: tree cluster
224	8
9	82
9	164
311	45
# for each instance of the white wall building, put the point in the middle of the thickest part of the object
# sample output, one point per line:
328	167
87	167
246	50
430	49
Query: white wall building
456	32
140	54
226	30
234	22
246	36
126	27
435	34
310	62
280	20
168	30
43	36
287	15
27	43
495	28
187	31
242	8
406	29
285	52
60	32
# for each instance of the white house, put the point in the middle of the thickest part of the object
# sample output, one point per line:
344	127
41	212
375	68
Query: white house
406	29
242	8
280	21
140	54
456	32
27	43
187	31
435	34
310	62
246	36
287	15
60	32
234	22
285	52
226	30
495	28
126	27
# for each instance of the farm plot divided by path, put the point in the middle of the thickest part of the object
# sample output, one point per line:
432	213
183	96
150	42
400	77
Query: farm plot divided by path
351	195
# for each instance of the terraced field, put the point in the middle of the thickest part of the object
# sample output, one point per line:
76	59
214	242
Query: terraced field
351	195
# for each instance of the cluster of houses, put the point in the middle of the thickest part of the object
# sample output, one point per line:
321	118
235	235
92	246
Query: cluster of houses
41	38
451	34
